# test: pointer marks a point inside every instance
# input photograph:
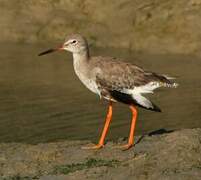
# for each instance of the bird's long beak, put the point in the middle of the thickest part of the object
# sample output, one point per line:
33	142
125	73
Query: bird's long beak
51	50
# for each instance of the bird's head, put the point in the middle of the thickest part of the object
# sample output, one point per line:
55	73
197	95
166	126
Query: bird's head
74	43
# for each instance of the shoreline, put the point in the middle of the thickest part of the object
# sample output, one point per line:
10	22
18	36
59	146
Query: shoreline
169	155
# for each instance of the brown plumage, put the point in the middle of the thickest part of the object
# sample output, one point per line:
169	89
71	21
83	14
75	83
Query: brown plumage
115	76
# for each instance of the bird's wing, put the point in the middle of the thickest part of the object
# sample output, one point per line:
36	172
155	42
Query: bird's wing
117	75
126	83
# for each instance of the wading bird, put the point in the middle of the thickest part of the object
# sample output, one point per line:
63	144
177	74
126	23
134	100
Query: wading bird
113	80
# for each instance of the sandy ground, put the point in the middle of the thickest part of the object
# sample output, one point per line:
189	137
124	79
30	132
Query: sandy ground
173	155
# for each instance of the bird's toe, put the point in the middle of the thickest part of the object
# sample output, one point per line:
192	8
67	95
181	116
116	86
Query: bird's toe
94	146
124	147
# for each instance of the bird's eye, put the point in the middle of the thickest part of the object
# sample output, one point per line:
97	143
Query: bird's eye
74	41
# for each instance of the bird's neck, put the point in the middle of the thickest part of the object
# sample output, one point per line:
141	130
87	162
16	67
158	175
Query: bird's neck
81	62
82	56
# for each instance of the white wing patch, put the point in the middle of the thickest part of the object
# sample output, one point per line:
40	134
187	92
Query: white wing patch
138	91
143	101
148	88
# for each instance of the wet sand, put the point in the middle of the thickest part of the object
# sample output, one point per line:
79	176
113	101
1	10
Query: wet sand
159	155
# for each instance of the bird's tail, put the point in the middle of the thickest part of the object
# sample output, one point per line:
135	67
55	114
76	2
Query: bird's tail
165	80
169	82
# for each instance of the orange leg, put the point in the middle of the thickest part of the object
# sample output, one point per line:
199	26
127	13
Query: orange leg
105	129
132	128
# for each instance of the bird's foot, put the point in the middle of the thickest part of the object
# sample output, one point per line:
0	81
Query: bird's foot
125	146
94	146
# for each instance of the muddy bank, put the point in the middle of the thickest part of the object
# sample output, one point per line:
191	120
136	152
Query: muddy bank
156	26
175	155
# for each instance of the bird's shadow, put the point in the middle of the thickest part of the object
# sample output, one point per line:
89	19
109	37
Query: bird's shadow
154	133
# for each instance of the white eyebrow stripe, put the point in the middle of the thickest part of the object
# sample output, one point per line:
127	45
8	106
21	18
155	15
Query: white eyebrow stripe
69	41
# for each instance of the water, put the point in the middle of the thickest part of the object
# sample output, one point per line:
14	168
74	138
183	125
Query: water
42	100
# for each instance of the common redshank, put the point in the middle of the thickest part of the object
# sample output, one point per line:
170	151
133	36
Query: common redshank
113	80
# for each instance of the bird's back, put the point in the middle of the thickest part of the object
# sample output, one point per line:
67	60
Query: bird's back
119	73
